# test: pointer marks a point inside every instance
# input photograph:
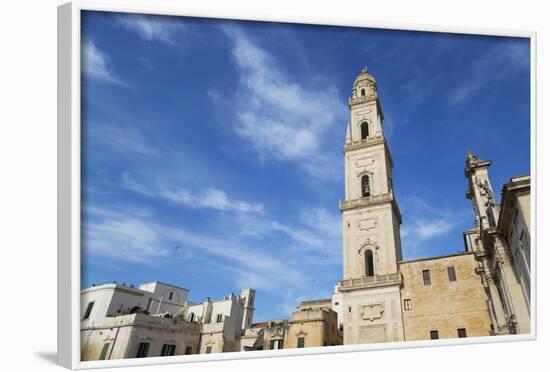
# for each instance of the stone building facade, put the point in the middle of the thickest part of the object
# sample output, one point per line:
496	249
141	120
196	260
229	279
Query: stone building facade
157	319
442	298
483	291
500	240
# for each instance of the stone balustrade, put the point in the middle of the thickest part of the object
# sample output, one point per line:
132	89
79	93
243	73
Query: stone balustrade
370	281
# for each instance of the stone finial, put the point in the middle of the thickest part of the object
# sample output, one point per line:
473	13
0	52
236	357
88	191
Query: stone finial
471	159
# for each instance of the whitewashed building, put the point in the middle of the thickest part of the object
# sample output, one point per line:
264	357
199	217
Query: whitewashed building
156	319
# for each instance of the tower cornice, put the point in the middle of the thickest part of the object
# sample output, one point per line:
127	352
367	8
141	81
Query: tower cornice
358	101
369	142
370	201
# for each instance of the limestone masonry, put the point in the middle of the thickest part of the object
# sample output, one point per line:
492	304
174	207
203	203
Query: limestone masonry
482	291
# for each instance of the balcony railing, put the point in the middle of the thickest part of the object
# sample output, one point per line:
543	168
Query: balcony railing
370	281
365	201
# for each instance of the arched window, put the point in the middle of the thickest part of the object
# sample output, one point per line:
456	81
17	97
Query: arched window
171	295
369	263
192	317
364	130
363	92
365	186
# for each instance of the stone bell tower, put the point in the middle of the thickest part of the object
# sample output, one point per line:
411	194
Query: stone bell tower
370	289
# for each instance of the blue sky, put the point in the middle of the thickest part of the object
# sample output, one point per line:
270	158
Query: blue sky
224	138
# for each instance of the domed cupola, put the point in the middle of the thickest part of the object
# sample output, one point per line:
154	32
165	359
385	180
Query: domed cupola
364	88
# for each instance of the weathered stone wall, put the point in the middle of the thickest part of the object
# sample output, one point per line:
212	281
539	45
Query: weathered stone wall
125	333
443	305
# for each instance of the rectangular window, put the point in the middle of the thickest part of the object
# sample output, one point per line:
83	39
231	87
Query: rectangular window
301	341
451	273
434	335
219	318
275	344
407	305
426	277
349	309
143	349
88	310
104	351
461	332
168	350
188	350
208	349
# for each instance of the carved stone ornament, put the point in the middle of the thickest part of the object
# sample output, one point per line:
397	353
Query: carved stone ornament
372	311
485	192
278	331
368	243
367	224
363	162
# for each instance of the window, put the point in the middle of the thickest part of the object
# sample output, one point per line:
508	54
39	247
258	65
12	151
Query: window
275	344
364	130
191	317
208	350
426	277
188	350
369	263
143	349
171	295
88	310
434	335
407	305
365	186
363	92
104	351
461	332
451	273
219	318
301	341
349	309
168	350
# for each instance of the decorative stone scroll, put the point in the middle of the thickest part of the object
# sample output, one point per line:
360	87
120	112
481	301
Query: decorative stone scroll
372	311
367	224
364	162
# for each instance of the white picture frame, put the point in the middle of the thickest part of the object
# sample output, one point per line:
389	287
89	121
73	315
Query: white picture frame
69	230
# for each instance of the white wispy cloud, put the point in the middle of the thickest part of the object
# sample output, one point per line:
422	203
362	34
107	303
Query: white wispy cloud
151	28
211	198
425	222
119	235
97	64
123	139
496	63
123	237
214	94
283	119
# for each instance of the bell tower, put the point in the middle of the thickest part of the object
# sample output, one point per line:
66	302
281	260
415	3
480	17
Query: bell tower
370	289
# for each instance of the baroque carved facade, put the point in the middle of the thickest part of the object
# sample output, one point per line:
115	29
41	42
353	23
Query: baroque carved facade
483	291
